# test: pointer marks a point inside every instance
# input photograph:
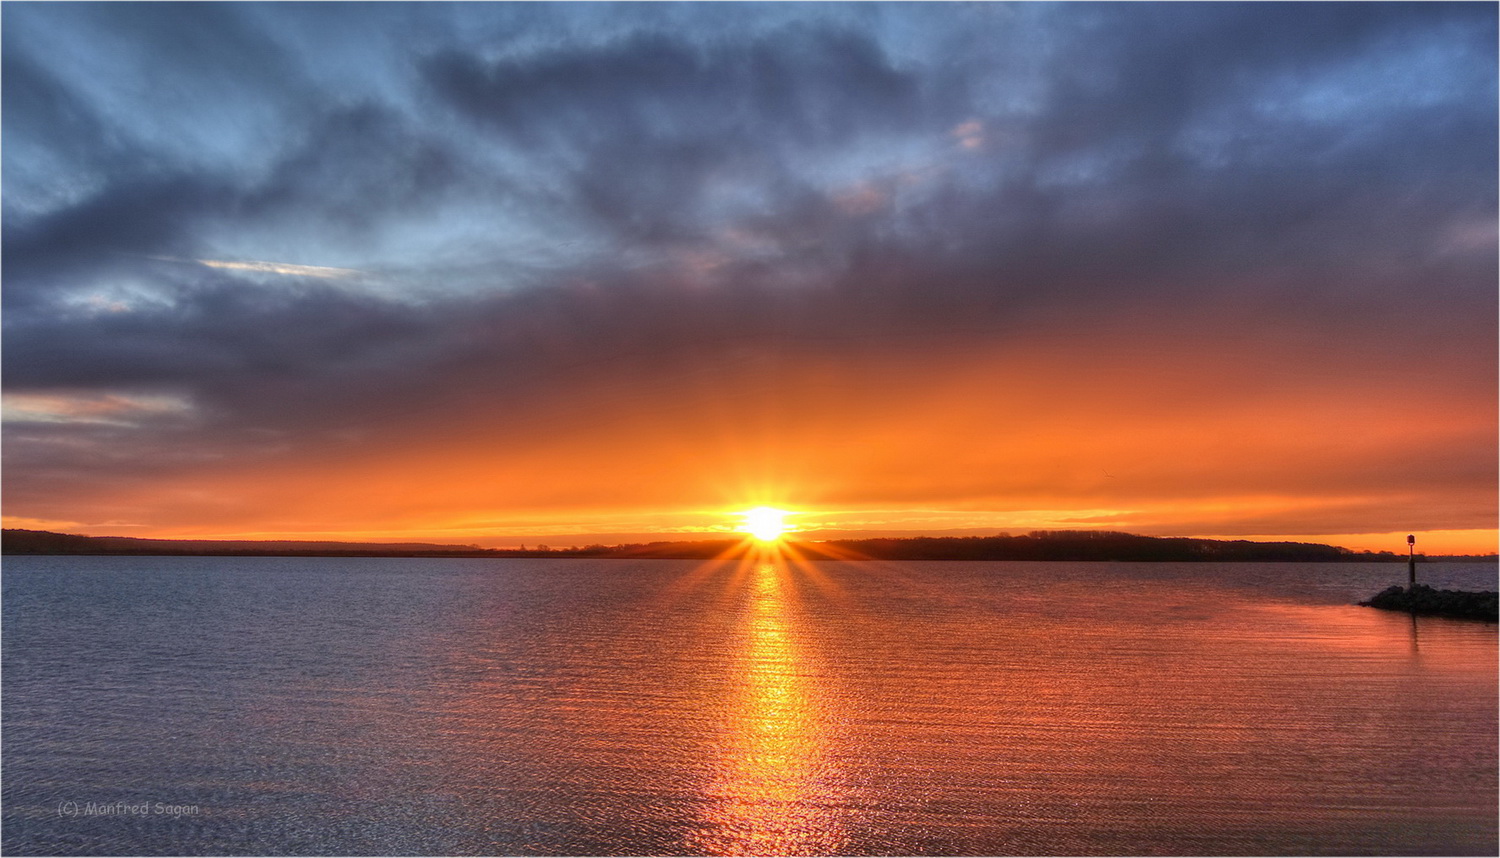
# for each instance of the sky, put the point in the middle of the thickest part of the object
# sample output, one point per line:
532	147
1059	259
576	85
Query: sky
505	273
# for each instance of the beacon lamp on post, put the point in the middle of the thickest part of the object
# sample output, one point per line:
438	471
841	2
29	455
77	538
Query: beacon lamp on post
1411	561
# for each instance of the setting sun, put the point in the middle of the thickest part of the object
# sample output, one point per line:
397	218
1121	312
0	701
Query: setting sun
765	523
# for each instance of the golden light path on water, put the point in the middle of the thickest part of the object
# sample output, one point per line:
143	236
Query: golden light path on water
774	789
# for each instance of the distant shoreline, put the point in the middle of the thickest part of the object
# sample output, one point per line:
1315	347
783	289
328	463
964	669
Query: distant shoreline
1065	546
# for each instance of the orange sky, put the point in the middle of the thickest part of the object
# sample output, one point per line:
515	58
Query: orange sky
1038	435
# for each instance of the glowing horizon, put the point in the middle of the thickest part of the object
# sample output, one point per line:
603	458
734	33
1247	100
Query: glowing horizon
1477	541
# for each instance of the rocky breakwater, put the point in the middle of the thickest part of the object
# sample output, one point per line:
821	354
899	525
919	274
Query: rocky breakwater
1422	599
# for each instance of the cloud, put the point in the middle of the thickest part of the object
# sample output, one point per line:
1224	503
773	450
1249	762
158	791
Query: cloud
970	134
97	408
659	139
813	85
263	267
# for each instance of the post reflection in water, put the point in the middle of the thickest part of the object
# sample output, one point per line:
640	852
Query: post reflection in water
774	791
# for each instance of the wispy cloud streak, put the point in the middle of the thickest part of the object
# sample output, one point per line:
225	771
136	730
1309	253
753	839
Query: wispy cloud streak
288	269
258	266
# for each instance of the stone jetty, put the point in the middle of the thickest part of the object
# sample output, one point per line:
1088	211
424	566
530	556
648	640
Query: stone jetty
1422	599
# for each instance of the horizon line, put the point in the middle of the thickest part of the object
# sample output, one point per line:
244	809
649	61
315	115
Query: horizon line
732	537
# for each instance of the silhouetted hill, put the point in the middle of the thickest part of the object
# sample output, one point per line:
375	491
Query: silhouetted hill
1062	545
47	542
1091	545
1068	545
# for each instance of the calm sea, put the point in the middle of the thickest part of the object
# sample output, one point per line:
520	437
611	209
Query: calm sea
391	706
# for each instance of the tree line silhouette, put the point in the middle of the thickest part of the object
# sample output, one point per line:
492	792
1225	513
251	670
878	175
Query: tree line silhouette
1055	545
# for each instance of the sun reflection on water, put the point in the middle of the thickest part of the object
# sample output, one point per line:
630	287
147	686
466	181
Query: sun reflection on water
773	788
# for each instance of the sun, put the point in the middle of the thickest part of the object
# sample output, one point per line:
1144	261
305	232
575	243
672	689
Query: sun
765	523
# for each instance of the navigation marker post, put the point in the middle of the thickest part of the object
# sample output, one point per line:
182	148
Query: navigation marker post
1411	562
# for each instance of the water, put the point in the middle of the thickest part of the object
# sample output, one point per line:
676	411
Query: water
396	706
